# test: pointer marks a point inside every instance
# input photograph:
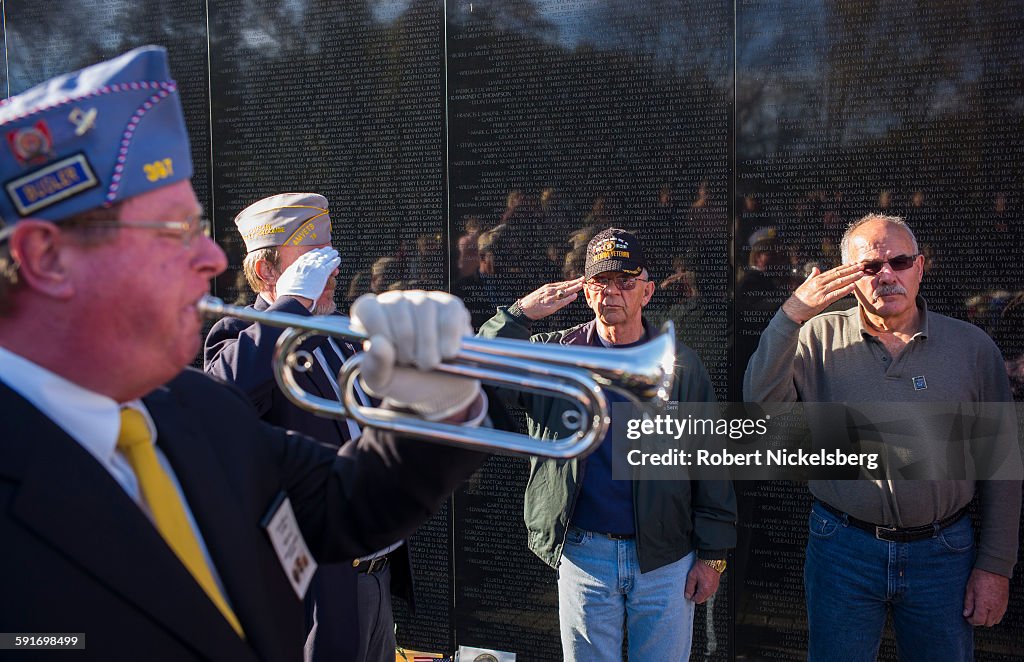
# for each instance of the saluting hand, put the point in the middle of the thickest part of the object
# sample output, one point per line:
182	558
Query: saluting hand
306	277
820	290
550	298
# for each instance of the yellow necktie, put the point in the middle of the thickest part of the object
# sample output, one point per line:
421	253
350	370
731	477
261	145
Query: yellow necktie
166	507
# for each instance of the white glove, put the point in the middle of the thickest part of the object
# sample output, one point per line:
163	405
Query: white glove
414	328
308	275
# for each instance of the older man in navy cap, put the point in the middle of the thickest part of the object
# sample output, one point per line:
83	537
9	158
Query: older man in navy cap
145	507
633	557
292	268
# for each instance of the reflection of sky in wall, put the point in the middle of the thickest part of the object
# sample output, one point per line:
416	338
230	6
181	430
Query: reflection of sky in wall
791	32
570	19
387	11
40	47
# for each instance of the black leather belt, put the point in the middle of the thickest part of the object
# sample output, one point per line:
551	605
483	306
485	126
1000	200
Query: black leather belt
895	534
619	536
371	566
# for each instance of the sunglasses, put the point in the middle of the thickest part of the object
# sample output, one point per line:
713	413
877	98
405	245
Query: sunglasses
624	283
898	263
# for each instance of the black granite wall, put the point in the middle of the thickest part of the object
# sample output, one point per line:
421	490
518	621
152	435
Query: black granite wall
738	139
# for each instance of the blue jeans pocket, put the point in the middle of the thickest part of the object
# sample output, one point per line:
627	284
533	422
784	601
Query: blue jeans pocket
575	536
957	538
820	526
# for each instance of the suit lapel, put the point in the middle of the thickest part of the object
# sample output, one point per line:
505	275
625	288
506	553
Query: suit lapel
234	543
315	380
73	504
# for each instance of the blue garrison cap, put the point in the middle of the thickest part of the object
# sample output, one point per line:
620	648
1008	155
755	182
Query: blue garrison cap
91	138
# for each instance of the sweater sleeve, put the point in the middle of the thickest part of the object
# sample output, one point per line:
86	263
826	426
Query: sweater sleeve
770	374
1000	499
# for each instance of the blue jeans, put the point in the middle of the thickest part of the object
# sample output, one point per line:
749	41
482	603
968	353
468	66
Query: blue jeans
852	579
600	587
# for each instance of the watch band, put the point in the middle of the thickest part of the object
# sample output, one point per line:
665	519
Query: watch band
718	565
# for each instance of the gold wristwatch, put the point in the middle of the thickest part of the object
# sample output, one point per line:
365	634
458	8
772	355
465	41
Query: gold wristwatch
718	565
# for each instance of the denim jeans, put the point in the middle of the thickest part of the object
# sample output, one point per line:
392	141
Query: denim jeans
852	579
600	587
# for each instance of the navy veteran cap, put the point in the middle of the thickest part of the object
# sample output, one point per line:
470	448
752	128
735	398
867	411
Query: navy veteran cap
91	138
286	219
614	250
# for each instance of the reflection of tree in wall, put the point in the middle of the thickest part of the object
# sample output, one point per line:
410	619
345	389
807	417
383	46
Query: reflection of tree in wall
909	109
341	103
623	111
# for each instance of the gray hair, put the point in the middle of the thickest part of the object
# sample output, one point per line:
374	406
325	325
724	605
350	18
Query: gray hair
270	254
844	245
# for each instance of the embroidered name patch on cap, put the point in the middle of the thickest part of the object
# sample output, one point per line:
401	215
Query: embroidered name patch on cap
51	184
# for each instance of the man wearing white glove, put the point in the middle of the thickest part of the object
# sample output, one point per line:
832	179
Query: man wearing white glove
292	268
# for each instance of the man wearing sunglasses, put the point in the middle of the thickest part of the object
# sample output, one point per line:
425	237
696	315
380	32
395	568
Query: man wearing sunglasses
903	546
642	552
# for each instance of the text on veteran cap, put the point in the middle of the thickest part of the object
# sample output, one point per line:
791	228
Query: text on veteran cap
286	219
614	250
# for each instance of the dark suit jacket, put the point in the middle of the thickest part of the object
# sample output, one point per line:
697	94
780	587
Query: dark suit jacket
241	352
78	555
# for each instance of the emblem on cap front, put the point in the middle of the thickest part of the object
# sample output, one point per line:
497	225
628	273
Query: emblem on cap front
32	145
84	120
610	248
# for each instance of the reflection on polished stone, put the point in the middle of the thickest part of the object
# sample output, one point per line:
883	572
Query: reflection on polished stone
477	145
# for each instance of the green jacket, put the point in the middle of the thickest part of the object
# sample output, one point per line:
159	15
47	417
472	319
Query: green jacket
672	518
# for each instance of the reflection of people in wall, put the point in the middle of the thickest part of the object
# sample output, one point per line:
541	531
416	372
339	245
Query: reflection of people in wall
761	288
482	291
898	546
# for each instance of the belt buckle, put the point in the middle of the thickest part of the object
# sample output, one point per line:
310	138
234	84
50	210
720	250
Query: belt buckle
376	564
879	530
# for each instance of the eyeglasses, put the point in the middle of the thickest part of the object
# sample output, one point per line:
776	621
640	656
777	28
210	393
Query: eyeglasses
185	231
898	263
624	283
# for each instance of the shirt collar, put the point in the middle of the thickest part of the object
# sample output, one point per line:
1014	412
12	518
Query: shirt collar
921	305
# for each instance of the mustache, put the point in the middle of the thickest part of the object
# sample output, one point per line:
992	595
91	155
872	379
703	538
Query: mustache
890	289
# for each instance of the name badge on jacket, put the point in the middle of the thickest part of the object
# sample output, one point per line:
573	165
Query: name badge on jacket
286	537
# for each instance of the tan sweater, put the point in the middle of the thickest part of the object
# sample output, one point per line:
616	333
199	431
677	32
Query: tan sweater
831	358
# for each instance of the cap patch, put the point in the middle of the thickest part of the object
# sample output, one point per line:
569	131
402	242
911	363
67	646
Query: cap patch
32	145
51	184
